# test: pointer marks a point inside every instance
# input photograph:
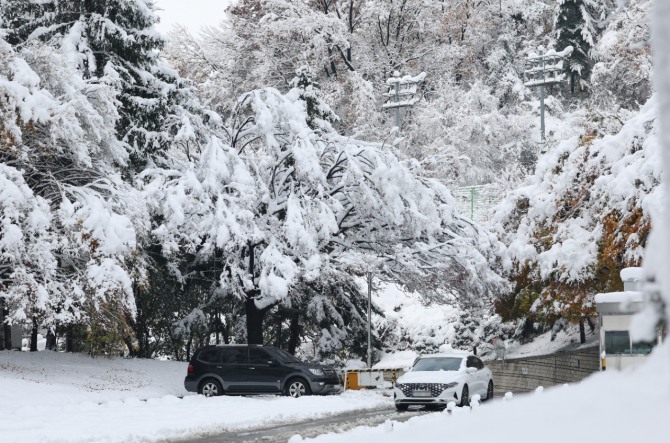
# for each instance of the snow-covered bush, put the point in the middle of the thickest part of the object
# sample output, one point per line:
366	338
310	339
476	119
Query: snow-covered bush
581	218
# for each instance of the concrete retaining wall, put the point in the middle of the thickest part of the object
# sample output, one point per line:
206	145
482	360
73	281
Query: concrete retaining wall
526	374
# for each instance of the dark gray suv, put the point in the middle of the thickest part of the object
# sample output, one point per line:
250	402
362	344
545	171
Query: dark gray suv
255	369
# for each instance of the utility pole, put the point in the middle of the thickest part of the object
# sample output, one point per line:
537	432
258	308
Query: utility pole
369	319
402	93
542	70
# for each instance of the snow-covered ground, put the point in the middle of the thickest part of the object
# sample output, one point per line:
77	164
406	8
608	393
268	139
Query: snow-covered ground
608	407
56	397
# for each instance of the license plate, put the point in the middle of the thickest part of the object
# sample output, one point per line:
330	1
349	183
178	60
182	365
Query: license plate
421	394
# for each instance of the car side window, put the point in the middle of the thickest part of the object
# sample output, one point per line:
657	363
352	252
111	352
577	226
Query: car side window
470	363
259	356
209	356
233	355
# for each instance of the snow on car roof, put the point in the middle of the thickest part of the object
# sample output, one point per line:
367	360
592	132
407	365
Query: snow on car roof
459	354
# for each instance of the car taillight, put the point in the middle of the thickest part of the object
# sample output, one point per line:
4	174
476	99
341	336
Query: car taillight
190	368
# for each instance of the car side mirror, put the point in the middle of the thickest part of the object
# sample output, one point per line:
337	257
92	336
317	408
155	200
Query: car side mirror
470	370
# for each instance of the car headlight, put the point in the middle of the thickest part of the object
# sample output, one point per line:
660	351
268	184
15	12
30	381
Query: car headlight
450	385
316	371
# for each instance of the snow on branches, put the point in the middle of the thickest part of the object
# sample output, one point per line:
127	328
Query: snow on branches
69	222
278	204
28	263
581	218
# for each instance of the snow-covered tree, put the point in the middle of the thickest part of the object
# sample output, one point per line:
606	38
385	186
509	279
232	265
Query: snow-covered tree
466	336
49	142
319	114
28	263
576	26
621	75
113	43
352	47
278	206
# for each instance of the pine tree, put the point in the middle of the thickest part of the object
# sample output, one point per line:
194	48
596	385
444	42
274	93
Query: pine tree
113	42
574	26
466	336
318	112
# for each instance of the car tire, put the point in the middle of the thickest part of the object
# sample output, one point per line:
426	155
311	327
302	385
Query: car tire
210	388
297	387
465	397
401	407
489	390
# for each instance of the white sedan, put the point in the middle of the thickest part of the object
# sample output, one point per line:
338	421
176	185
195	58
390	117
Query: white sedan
437	379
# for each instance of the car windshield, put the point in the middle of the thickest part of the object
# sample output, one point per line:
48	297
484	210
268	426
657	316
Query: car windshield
285	357
438	364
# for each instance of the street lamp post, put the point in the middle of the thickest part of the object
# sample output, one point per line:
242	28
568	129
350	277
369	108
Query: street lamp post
545	69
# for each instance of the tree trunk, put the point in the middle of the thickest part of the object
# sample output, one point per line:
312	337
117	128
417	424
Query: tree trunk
582	332
255	318
8	335
592	325
225	330
51	340
69	339
142	336
2	324
131	349
278	330
294	332
33	336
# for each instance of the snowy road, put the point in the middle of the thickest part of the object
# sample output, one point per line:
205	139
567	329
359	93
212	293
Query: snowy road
309	428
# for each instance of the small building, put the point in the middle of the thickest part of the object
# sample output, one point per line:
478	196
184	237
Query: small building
615	312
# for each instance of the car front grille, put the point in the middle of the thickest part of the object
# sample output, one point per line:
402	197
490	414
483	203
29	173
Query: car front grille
435	389
329	372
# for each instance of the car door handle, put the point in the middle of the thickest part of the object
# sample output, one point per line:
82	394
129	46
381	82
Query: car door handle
252	368
219	367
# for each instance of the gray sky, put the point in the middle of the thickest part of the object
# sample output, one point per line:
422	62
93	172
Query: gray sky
191	13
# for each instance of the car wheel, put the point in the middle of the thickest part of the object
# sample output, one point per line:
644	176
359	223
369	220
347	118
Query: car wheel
210	388
489	390
401	407
465	396
297	387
